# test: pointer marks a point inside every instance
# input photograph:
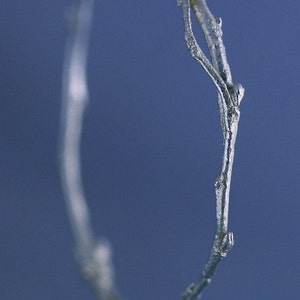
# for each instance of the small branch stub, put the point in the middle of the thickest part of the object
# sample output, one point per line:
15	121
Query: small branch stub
226	244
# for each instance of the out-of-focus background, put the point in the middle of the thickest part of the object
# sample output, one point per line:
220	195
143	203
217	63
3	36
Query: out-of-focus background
151	151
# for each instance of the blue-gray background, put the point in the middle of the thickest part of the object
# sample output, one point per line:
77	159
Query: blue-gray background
152	148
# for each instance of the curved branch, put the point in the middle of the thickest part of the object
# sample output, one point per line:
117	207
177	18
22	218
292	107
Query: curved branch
94	256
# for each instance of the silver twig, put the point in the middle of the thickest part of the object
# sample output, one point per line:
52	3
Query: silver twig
230	96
